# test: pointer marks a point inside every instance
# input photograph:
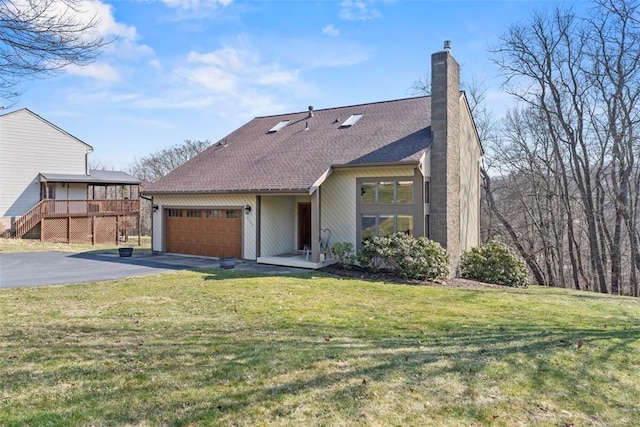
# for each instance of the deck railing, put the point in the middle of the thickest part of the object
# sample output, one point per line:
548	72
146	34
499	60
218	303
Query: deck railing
67	208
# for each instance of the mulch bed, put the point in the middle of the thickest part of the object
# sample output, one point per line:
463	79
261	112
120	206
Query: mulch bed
386	276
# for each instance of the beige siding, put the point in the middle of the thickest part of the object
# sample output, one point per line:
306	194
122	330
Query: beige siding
277	225
28	146
469	181
338	200
205	200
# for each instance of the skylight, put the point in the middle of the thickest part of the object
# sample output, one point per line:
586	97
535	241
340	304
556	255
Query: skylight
351	120
279	126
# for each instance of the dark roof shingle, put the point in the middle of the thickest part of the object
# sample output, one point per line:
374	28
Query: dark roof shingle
293	158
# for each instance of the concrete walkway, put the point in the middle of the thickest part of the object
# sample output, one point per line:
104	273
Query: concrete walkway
54	268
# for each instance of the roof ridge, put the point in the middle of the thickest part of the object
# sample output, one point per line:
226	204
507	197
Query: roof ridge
342	107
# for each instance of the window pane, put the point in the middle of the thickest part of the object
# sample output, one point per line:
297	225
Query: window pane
213	213
385	192
385	225
427	190
404	192
405	224
233	214
367	226
368	192
174	212
192	213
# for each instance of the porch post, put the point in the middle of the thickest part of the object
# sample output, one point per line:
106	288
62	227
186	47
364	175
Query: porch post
315	226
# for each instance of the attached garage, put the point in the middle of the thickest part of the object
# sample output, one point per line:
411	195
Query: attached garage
211	232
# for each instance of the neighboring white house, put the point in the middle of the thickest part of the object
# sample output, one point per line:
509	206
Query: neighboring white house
44	179
30	145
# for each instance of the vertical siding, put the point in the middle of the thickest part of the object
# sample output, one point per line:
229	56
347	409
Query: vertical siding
278	225
338	200
469	181
204	201
28	146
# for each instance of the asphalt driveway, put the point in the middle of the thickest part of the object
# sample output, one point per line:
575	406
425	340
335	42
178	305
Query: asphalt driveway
55	268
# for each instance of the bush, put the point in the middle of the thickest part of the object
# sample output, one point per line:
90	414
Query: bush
371	254
419	258
343	254
494	262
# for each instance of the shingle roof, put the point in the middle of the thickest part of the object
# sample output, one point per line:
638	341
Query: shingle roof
252	159
94	177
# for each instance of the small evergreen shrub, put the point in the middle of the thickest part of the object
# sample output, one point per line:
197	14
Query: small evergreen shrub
405	256
494	262
371	254
419	258
344	255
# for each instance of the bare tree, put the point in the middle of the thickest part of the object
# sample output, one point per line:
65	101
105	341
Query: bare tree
569	177
156	165
39	37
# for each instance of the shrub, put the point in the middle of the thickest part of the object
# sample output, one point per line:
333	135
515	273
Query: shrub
406	256
343	254
371	253
419	258
494	262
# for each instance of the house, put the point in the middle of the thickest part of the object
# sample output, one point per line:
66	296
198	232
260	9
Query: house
282	189
48	192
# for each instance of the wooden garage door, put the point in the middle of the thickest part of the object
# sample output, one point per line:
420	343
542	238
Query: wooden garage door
206	232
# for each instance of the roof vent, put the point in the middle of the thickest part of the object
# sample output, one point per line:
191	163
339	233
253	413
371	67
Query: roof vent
310	110
351	121
447	45
279	126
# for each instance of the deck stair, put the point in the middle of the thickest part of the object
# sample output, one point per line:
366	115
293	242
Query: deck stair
29	220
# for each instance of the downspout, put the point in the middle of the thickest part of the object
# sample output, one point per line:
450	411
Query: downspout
86	161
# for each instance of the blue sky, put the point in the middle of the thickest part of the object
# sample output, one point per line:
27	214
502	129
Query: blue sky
198	69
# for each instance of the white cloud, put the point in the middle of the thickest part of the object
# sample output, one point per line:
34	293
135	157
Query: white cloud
99	71
357	10
196	4
330	30
155	64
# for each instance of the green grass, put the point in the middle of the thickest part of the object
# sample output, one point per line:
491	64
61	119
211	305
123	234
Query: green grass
220	348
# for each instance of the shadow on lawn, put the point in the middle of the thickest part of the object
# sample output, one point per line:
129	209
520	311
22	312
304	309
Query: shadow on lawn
204	372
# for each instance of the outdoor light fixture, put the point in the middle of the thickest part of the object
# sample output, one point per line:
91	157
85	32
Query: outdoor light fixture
155	208
247	209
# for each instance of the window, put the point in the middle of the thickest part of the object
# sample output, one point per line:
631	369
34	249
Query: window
404	224
47	188
174	213
385	224
213	213
427	191
194	213
368	226
368	192
404	192
386	192
385	206
231	214
279	126
351	121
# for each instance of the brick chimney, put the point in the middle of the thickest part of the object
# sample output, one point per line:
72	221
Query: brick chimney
444	214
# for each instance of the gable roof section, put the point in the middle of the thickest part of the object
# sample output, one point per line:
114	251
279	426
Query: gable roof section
26	110
294	157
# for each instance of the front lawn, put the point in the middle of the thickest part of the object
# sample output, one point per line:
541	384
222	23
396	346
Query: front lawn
220	348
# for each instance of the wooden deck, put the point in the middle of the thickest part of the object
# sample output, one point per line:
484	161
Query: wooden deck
86	221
